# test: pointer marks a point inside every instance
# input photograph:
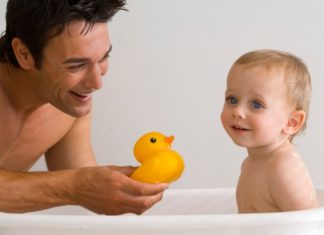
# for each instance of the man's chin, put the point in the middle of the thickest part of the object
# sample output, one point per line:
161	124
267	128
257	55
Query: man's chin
79	113
75	111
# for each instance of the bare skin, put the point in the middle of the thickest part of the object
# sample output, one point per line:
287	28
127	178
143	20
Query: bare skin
258	116
47	112
272	182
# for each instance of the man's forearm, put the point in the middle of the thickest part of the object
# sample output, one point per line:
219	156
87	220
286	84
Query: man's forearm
24	191
103	190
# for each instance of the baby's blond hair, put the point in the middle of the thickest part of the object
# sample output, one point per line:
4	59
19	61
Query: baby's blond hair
295	72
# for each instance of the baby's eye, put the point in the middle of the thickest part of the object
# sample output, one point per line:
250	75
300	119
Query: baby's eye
256	105
231	100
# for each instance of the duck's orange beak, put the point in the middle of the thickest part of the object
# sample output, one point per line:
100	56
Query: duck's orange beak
169	139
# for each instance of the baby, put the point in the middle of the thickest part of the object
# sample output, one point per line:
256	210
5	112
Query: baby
266	105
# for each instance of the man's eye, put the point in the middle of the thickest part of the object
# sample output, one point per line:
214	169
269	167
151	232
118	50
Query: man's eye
231	100
77	66
256	105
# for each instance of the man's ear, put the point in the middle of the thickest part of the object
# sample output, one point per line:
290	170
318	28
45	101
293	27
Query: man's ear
295	122
22	53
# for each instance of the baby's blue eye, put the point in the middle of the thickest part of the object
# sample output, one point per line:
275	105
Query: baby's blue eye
231	100
257	105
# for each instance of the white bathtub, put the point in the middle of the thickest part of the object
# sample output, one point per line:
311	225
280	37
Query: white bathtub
187	211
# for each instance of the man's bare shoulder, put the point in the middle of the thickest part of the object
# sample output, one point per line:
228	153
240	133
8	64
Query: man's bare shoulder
30	139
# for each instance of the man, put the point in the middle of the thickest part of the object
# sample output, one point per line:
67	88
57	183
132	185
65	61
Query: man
53	55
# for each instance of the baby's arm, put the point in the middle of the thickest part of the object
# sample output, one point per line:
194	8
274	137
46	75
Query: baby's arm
290	184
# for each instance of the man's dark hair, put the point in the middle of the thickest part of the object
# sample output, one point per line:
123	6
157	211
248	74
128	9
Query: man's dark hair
37	21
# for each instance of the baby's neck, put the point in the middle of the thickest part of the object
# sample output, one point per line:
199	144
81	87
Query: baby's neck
264	152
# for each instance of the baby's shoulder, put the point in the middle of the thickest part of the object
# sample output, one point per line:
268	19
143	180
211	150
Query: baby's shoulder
285	158
286	164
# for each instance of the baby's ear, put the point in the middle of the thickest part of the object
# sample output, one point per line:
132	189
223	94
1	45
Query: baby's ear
295	122
22	53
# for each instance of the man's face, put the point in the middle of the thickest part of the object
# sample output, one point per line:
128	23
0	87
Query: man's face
72	67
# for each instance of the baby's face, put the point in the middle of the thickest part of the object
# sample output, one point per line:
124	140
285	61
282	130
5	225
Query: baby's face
256	109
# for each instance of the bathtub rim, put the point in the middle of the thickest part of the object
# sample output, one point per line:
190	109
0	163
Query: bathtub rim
149	222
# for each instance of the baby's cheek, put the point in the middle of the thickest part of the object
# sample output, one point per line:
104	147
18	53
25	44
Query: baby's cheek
223	118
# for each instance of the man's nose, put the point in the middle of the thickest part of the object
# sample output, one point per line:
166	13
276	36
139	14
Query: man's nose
94	78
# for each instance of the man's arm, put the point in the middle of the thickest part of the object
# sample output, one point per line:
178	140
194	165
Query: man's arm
74	150
24	192
104	190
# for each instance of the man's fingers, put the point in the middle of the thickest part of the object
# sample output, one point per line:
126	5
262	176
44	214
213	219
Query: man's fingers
125	170
137	196
135	187
138	205
138	188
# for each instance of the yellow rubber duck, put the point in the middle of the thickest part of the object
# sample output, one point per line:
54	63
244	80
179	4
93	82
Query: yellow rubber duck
160	164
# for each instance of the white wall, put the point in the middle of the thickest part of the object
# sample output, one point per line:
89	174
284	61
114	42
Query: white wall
168	69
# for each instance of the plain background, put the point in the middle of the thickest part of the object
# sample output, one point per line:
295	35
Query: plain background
168	70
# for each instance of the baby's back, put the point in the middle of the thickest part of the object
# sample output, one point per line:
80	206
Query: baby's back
277	182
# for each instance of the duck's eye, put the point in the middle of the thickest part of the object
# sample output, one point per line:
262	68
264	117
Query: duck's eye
153	140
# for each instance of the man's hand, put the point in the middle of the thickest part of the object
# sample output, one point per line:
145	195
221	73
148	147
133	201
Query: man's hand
110	191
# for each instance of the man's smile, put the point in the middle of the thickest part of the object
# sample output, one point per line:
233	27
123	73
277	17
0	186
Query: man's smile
82	96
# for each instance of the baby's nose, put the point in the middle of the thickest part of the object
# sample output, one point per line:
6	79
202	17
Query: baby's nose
238	112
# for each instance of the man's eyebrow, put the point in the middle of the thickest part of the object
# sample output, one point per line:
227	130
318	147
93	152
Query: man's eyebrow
76	60
108	52
84	59
110	49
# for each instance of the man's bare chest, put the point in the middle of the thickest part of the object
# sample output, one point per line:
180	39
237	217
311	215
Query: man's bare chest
22	144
